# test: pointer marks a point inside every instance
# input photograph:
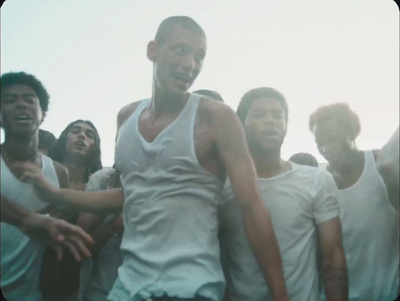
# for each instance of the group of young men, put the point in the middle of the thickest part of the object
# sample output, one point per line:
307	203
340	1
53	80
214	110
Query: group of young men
207	199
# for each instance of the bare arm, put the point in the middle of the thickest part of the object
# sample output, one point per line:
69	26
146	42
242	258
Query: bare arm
387	163
333	260
97	201
100	233
387	160
232	148
47	229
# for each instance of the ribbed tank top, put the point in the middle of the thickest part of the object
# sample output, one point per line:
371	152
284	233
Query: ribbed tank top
21	257
370	237
170	242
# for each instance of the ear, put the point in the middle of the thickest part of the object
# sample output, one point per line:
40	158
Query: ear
152	51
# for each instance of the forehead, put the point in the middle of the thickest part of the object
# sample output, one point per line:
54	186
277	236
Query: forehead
18	89
178	34
331	127
82	126
266	103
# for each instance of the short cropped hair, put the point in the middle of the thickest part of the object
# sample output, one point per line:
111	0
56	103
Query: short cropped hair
22	78
209	93
304	159
166	27
46	140
60	148
340	112
264	92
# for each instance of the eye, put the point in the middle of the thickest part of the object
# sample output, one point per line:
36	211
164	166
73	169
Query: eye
180	50
8	99
90	134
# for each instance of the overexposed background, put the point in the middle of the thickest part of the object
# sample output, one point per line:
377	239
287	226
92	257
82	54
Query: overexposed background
91	56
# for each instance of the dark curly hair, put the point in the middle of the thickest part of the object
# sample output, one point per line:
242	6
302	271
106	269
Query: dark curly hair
340	112
22	78
249	97
60	148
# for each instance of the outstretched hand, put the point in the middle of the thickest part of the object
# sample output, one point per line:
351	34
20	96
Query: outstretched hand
60	234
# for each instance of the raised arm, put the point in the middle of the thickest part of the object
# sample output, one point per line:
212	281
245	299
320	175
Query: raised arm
333	260
99	201
387	160
387	163
232	148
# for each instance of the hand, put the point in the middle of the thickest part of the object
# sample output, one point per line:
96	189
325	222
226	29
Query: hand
58	233
31	173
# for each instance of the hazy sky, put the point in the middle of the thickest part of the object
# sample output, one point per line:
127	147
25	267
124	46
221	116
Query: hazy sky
91	56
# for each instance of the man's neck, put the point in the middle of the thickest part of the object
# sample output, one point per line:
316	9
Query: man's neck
20	148
77	168
353	161
163	103
268	164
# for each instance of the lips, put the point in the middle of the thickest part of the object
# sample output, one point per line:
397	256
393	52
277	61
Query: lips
23	117
80	144
187	79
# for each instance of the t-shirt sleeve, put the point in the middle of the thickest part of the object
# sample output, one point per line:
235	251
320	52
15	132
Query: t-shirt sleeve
325	204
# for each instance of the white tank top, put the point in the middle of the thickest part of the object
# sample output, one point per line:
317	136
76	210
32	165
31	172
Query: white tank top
370	237
170	241
21	257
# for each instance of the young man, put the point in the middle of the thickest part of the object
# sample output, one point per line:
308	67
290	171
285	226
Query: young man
369	221
303	206
173	151
24	102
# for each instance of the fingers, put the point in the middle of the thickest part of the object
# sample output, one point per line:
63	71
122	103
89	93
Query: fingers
74	238
59	252
80	246
72	249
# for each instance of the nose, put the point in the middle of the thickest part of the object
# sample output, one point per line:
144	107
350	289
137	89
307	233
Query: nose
20	103
189	63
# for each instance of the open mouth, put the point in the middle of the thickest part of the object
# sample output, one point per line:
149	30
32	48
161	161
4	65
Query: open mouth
23	118
183	78
80	144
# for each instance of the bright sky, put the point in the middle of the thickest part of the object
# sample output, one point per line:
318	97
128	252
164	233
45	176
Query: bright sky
91	56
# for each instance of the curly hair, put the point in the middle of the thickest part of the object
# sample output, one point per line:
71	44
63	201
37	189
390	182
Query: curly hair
59	150
249	97
304	159
22	78
340	112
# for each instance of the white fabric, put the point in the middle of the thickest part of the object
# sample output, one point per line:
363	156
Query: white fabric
370	237
170	243
21	257
297	200
98	275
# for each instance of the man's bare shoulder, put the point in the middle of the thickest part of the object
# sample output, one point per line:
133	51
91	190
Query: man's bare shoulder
126	111
216	112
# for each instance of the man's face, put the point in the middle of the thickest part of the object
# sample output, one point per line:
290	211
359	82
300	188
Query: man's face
266	125
178	61
332	141
80	140
20	110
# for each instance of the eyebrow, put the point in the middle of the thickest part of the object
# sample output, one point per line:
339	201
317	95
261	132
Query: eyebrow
15	94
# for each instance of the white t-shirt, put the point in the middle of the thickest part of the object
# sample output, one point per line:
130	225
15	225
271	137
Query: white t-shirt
297	200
